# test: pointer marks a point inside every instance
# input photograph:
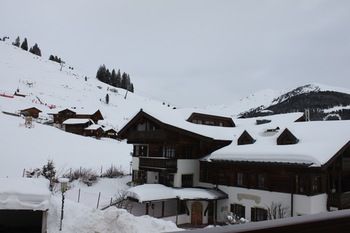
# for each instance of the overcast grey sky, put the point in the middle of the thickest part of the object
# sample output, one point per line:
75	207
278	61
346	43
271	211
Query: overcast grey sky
193	52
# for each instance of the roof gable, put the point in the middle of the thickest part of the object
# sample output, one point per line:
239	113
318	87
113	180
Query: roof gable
65	111
245	139
122	134
287	138
31	109
207	119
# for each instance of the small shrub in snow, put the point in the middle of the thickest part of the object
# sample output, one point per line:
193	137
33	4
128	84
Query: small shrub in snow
87	176
231	218
113	172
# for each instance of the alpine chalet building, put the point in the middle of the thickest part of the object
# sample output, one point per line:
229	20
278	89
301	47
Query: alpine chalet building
201	168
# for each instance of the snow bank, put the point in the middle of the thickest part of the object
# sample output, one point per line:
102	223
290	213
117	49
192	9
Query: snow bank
24	194
146	192
79	218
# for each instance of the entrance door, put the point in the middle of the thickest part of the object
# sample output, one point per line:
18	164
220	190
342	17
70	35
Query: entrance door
196	213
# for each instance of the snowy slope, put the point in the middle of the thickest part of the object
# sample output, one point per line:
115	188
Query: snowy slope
261	100
41	79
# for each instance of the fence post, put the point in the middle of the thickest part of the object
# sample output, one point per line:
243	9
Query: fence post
98	200
24	172
111	201
79	196
101	171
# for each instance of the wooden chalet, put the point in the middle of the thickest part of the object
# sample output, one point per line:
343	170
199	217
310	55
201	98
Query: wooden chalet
65	114
32	112
61	116
94	131
76	126
109	133
167	154
253	169
206	119
95	117
307	171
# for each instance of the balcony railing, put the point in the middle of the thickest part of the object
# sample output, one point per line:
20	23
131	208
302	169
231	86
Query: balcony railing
159	164
147	136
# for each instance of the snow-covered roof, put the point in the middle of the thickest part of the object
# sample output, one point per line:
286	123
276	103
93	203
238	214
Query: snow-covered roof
93	127
318	142
152	192
176	119
24	194
75	121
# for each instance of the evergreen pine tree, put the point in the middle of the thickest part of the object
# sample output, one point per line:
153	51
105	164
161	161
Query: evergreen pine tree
124	80
119	79
113	78
24	45
35	50
17	42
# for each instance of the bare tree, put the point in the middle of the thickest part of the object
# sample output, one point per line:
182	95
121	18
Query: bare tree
276	211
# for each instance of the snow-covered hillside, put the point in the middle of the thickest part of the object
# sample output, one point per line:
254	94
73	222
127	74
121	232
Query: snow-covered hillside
45	85
261	100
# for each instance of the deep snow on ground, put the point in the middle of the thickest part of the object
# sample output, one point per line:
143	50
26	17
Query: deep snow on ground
24	148
79	218
108	187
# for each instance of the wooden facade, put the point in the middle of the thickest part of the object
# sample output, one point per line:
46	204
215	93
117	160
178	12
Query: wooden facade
32	112
96	116
98	132
159	145
206	119
110	133
61	116
333	178
78	128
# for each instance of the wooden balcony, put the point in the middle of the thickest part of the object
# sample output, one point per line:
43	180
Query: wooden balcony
339	200
146	136
158	164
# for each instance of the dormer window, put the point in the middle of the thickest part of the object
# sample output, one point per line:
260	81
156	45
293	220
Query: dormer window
287	138
245	139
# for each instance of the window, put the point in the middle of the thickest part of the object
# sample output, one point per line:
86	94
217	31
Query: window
258	214
187	181
261	181
238	210
166	179
140	150
139	176
303	184
316	184
169	151
240	179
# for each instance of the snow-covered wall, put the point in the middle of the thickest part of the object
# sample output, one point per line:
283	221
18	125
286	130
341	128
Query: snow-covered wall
186	167
310	204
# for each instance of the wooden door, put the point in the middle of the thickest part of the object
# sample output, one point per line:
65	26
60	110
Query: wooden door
196	213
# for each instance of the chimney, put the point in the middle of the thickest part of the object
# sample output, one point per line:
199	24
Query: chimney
307	114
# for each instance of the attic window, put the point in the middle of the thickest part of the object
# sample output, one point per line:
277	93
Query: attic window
245	139
287	138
